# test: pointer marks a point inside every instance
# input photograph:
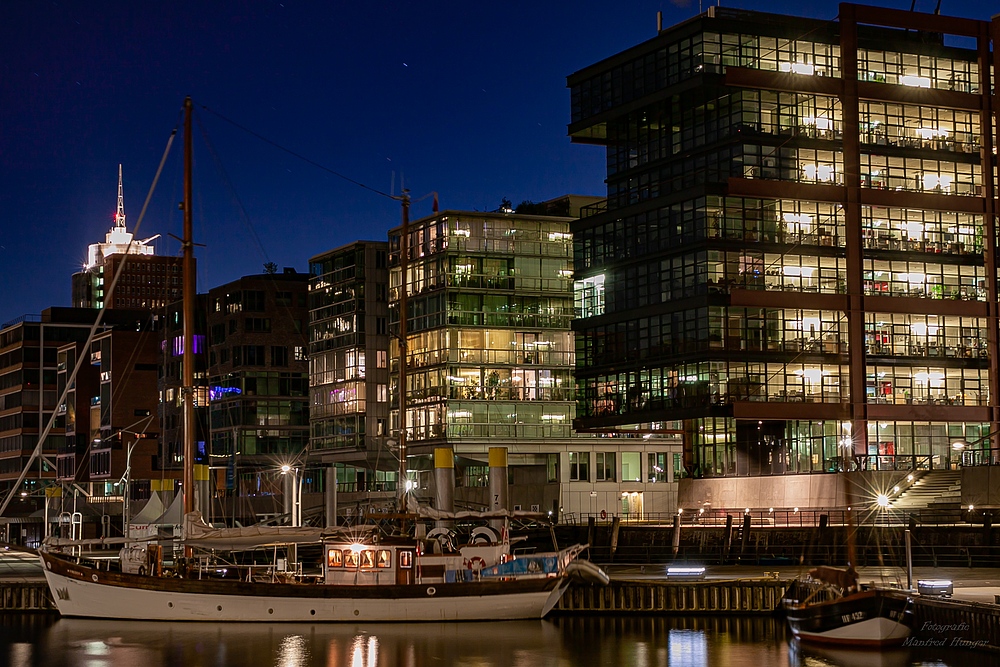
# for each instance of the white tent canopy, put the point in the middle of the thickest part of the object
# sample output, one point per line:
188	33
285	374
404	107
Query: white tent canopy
152	510
174	515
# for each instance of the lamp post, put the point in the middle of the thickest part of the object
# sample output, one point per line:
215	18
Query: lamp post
126	479
293	493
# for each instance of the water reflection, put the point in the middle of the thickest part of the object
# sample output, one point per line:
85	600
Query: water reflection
805	655
645	641
639	641
292	652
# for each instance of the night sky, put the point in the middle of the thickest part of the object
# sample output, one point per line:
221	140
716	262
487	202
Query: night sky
467	99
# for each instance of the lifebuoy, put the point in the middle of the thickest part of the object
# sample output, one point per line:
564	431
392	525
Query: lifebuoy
604	514
476	563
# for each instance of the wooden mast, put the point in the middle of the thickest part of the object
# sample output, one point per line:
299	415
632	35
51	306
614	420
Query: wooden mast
187	360
403	351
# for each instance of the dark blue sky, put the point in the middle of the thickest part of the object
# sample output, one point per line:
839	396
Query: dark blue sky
464	98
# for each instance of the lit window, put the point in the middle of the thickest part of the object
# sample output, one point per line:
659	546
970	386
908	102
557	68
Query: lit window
797	68
915	81
820	123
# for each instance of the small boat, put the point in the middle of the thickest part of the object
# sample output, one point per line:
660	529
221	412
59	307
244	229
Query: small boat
359	579
830	608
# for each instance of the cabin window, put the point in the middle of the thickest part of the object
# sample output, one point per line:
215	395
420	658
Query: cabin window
368	558
384	558
351	558
405	559
334	558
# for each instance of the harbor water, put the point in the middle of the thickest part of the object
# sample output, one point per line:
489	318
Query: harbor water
32	640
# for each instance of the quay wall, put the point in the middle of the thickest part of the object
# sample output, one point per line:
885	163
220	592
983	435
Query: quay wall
741	596
25	596
948	623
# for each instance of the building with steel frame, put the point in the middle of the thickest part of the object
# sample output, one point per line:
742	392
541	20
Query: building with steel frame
795	268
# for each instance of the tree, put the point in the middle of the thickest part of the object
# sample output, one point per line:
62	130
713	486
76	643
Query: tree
270	268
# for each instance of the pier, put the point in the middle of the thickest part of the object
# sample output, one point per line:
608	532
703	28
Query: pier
741	596
25	596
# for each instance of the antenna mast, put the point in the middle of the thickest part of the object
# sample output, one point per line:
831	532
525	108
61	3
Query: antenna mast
120	215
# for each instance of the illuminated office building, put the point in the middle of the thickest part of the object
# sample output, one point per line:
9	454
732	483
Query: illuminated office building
491	363
147	281
349	368
795	267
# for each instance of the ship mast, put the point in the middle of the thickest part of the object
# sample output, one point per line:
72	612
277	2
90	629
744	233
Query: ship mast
188	295
404	232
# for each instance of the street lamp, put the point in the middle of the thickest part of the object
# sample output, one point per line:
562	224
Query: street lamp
126	476
126	479
293	492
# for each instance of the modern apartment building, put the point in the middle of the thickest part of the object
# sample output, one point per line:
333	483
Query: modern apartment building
171	386
795	268
349	369
30	365
258	383
491	363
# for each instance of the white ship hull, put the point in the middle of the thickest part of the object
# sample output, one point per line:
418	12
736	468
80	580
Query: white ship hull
83	592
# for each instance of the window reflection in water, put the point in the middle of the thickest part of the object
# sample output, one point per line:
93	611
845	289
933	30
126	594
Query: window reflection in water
293	652
364	652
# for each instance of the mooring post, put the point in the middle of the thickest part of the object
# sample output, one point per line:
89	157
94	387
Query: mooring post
909	561
727	539
677	535
615	526
745	538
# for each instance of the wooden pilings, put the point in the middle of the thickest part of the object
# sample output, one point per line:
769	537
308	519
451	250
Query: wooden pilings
949	623
25	596
744	596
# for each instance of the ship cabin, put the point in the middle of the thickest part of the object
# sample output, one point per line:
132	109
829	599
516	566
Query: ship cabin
406	562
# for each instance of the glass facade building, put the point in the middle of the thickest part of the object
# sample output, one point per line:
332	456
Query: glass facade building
349	366
796	260
489	346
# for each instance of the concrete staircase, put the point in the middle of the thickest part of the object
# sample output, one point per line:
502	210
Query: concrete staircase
935	490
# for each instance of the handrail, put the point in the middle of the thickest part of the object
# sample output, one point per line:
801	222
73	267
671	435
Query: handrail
22	318
788	517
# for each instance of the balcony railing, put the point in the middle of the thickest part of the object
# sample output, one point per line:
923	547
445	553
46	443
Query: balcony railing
594	209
